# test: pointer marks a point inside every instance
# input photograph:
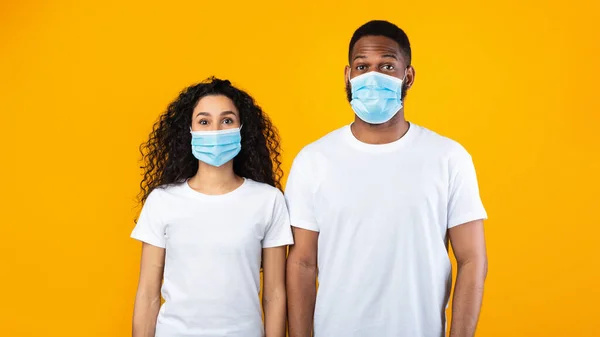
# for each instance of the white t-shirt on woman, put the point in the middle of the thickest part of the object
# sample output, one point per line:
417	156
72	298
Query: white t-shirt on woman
213	254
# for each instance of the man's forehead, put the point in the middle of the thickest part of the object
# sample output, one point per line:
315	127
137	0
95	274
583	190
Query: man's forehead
376	44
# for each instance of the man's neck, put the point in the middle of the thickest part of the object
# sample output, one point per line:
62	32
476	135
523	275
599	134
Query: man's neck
385	133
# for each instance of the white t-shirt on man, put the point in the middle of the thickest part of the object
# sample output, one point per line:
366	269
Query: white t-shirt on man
213	254
382	213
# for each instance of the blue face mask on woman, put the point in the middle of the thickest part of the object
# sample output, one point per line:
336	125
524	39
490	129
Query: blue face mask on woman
216	147
376	97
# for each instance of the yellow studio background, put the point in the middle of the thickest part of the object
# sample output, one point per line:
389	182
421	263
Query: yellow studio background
516	82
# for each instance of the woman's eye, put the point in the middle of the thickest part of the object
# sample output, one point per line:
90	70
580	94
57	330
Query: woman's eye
203	122
228	121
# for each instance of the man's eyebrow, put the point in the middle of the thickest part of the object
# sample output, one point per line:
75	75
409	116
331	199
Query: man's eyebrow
391	56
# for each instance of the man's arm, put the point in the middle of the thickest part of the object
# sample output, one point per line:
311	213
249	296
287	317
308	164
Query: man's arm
302	282
274	297
468	244
147	299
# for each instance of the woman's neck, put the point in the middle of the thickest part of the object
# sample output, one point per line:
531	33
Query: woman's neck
215	180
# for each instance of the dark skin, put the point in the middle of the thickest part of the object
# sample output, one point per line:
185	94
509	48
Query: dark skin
381	54
377	53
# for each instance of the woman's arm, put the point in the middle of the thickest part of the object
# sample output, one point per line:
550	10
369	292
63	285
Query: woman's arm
147	299
274	301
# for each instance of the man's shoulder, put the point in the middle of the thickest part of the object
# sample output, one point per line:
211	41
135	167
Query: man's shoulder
327	142
442	145
314	157
332	138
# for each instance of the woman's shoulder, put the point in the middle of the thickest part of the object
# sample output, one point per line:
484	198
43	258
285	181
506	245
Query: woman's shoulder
165	191
258	188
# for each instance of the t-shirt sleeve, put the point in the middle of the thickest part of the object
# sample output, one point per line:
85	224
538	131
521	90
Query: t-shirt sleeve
278	232
464	203
299	195
150	227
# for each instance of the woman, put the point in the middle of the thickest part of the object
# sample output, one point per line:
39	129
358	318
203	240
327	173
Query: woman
212	213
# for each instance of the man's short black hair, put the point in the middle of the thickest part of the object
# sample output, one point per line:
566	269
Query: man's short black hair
382	28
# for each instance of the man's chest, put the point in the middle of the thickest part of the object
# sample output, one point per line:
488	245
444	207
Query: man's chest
374	193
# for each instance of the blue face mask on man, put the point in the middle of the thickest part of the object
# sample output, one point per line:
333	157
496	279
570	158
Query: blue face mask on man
216	147
376	97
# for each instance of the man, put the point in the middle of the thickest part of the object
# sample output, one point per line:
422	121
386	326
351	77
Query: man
373	205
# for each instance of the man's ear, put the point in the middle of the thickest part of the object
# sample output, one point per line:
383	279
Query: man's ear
410	76
346	74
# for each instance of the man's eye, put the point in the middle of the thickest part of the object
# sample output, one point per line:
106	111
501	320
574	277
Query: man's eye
361	67
388	67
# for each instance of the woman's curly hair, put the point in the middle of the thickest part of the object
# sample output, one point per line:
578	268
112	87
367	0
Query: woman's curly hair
167	155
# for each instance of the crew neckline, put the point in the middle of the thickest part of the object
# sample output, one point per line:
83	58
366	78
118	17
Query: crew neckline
378	148
192	192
